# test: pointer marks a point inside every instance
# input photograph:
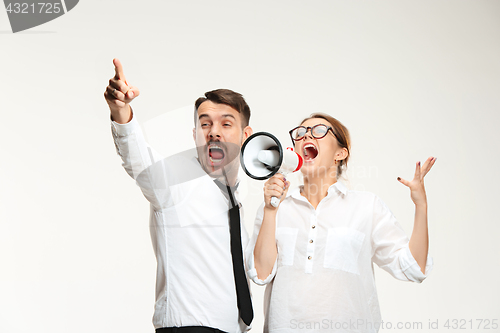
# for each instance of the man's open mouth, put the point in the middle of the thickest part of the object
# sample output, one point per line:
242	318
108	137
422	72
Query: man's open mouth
310	152
215	153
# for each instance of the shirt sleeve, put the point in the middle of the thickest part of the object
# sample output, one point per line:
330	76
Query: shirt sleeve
390	246
141	162
249	252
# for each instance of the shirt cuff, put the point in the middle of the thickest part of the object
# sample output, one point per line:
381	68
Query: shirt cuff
410	267
125	129
252	272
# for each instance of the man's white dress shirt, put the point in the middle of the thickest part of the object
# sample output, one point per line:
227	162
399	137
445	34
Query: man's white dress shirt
189	228
323	279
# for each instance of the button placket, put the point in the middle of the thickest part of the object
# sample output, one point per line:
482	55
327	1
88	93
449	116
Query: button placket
311	237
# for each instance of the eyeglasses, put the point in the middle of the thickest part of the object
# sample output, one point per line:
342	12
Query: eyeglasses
317	131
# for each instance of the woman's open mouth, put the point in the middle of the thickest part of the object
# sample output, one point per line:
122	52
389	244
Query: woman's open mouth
215	154
310	152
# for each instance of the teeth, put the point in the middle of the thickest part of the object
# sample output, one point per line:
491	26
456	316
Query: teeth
212	145
309	145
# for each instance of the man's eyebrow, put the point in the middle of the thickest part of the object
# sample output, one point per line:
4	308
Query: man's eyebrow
201	117
223	116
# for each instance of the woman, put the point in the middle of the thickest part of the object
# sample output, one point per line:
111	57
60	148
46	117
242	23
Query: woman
316	250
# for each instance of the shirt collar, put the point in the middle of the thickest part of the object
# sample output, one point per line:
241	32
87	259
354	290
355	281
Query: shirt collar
338	186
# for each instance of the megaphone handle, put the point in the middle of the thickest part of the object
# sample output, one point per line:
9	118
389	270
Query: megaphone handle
275	201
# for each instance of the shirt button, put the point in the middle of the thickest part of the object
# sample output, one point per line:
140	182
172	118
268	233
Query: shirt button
311	241
309	258
313	226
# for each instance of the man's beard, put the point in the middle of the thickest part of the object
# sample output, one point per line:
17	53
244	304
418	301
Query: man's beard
217	158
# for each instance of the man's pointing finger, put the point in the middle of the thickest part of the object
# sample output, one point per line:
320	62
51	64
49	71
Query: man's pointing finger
119	75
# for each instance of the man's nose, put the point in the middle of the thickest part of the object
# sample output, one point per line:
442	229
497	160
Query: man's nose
215	131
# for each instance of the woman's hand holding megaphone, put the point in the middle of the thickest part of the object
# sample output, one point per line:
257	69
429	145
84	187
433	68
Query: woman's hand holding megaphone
275	187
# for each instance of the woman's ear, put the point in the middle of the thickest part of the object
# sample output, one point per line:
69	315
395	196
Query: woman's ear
342	154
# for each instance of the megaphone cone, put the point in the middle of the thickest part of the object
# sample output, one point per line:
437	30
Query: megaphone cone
262	156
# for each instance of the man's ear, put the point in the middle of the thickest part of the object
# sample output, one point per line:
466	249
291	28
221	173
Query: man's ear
247	131
194	134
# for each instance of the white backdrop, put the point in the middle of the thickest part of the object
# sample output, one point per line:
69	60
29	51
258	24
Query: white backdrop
410	79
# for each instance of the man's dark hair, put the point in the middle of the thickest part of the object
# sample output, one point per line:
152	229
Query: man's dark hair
227	97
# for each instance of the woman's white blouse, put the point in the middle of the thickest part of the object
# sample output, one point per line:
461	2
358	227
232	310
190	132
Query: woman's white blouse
323	274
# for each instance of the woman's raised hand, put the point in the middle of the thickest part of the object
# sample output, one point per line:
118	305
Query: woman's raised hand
417	184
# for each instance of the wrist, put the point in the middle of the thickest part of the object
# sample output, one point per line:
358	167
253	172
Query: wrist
122	115
270	211
421	205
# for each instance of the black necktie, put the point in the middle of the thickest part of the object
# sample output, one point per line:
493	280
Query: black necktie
240	279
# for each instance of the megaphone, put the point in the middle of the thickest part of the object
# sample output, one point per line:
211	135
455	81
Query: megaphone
262	156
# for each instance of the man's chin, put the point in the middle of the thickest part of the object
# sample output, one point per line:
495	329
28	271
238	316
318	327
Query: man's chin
214	169
219	158
217	170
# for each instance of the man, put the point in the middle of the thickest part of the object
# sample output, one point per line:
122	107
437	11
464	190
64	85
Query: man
201	284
